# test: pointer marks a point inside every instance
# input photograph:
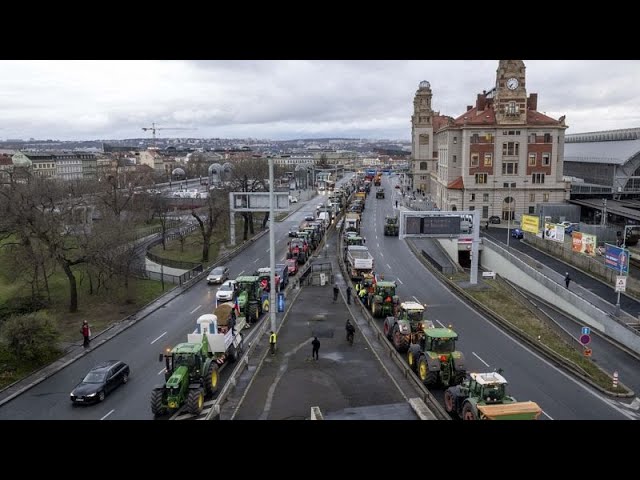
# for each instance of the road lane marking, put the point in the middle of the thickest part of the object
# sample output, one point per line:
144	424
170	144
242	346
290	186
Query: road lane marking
196	309
241	273
478	357
161	371
256	260
419	302
381	254
268	249
158	338
401	282
108	414
389	266
437	321
548	416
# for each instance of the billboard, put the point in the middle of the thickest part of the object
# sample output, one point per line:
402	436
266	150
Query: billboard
583	243
553	231
616	258
529	223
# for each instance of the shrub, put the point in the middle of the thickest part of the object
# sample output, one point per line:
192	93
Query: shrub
32	337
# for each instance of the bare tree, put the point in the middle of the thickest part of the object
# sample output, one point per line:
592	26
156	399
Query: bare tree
161	210
208	217
249	175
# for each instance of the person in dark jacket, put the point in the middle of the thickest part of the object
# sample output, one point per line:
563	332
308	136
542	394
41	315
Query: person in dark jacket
316	348
336	291
567	280
349	294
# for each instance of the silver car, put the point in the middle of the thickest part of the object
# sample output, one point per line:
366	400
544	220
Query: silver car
227	291
218	275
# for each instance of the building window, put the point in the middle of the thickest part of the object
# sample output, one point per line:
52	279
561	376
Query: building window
510	148
532	159
532	210
510	168
475	160
473	197
532	138
481	178
485	211
472	208
488	159
511	108
546	159
488	137
423	166
545	197
475	138
532	197
455	158
485	197
455	140
547	138
537	178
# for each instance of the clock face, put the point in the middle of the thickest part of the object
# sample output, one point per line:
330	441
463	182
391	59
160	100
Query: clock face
512	83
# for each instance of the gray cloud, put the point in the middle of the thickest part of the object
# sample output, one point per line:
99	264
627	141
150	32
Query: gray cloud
289	98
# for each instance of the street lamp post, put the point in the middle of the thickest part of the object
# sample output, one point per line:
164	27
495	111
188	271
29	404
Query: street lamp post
509	203
272	249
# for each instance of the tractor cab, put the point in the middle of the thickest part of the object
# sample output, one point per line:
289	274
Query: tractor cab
490	387
264	279
440	341
355	240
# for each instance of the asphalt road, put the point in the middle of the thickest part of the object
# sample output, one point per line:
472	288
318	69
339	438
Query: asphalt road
140	345
485	346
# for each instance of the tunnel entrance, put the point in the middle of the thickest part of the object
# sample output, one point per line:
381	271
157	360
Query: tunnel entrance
464	258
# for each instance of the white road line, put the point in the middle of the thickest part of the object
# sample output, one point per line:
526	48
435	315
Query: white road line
418	302
241	273
389	266
437	321
161	371
381	254
478	357
548	416
256	260
378	245
108	414
196	309
158	338
401	282
268	250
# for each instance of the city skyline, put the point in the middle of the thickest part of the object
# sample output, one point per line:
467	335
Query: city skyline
289	99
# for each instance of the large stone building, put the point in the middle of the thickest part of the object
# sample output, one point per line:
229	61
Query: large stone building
501	156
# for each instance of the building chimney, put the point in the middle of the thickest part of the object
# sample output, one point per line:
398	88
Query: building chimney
481	102
469	107
532	101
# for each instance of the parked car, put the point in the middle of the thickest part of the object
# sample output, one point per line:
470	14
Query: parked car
227	291
100	381
494	219
218	275
569	227
293	230
293	199
517	233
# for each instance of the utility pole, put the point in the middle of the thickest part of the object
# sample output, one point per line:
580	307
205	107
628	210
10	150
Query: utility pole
273	308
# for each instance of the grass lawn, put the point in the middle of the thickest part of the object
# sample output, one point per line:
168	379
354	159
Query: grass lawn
498	299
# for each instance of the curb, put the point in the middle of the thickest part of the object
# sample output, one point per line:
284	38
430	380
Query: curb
554	357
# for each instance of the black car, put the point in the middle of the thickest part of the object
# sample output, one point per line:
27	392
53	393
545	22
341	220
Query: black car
494	219
101	380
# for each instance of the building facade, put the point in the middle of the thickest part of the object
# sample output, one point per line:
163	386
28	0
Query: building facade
501	156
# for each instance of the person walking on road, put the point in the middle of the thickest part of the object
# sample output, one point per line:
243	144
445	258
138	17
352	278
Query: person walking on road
336	291
567	279
316	348
396	203
272	343
349	294
86	333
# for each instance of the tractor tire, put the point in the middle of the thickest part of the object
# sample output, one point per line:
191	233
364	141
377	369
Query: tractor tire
459	376
195	401
449	400
211	379
289	255
467	412
400	341
374	310
411	360
156	402
387	330
252	313
428	378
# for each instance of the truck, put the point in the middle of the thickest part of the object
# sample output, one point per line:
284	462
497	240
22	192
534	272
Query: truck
483	396
436	359
406	326
352	222
384	300
192	368
391	225
359	261
380	193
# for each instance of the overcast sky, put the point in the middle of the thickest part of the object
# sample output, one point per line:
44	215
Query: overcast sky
287	99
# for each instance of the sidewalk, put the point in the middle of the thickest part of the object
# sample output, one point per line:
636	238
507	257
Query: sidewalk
346	382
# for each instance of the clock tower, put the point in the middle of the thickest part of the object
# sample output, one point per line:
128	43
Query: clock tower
511	95
422	143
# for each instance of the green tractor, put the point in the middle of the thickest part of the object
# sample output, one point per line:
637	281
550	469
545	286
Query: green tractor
406	326
483	397
435	358
391	226
384	300
253	300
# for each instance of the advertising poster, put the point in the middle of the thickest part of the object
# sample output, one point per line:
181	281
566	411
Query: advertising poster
530	223
553	232
584	243
616	258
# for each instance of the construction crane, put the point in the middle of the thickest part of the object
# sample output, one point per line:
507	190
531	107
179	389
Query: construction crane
153	129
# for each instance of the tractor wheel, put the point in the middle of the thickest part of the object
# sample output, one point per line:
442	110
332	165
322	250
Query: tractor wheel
156	402
449	401
289	255
411	360
459	376
253	313
211	378
374	310
427	377
467	412
387	330
399	341
195	401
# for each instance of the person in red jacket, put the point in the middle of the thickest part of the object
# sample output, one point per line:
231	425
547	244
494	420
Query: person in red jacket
86	333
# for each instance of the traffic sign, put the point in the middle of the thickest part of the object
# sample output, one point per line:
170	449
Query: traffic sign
621	283
587	352
585	339
586	330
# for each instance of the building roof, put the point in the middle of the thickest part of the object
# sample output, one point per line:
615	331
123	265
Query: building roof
537	118
613	152
440	121
457	184
471	117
